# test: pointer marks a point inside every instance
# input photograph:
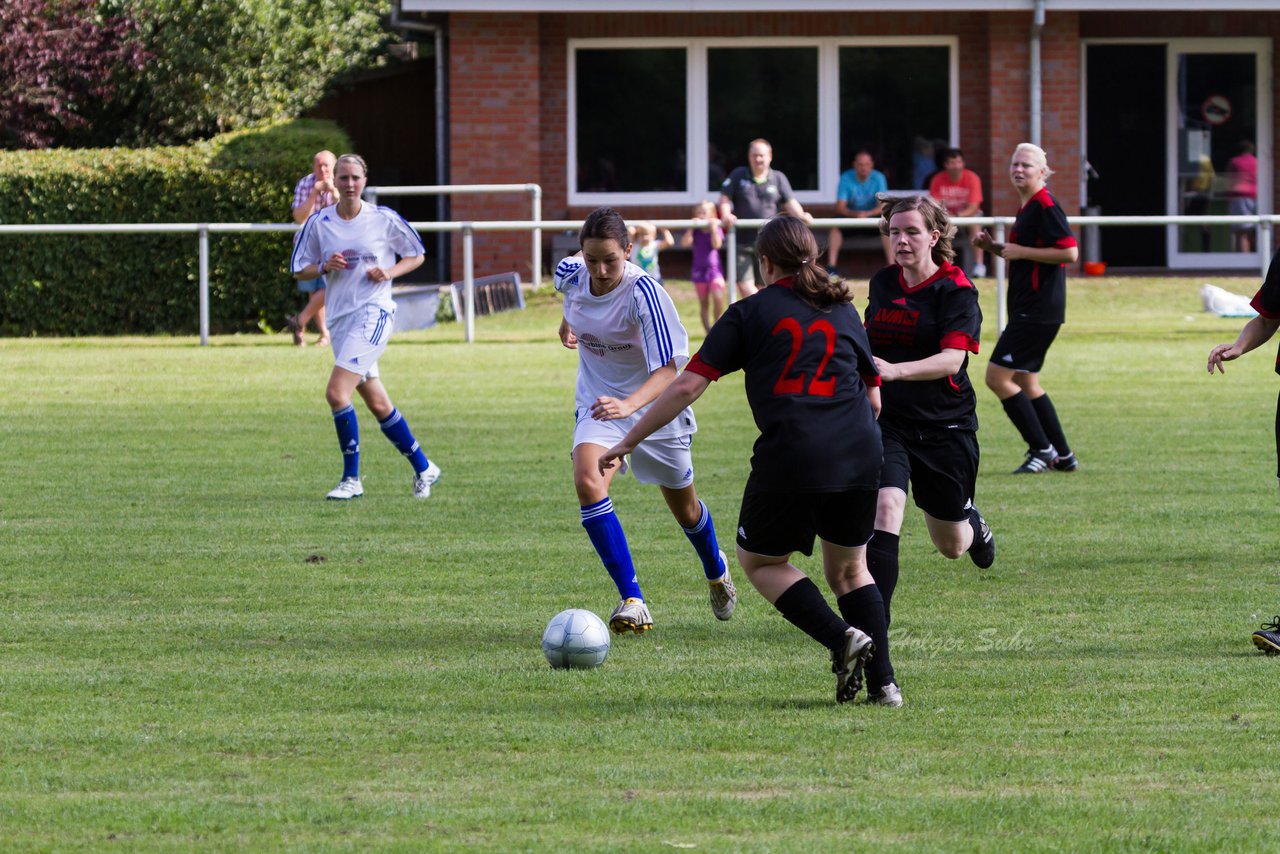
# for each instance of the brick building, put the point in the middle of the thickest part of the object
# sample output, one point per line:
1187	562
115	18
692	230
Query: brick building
645	111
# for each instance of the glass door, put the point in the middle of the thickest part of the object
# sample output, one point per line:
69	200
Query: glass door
1219	148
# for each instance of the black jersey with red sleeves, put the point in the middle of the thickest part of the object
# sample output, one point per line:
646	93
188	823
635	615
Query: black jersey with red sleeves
909	323
1266	301
1038	292
807	372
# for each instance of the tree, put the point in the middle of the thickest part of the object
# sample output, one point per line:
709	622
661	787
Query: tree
217	66
59	59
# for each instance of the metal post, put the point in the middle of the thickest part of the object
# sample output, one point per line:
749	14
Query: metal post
1000	283
1264	244
731	250
468	281
203	232
537	236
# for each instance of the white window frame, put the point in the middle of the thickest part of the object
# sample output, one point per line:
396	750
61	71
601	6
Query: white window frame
829	165
1261	50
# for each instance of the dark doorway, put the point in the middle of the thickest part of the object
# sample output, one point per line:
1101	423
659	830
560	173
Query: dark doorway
390	115
1126	147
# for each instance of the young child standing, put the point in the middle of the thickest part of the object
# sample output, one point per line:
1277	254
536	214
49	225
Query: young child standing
705	270
644	252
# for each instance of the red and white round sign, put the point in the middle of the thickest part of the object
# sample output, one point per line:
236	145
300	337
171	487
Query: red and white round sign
1216	109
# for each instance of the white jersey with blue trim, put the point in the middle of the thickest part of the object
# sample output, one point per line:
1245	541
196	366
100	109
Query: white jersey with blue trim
372	238
623	337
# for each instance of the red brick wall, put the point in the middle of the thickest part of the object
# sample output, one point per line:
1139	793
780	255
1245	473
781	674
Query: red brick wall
1010	50
507	93
494	92
507	99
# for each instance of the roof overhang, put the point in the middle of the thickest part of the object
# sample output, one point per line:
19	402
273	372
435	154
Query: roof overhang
705	6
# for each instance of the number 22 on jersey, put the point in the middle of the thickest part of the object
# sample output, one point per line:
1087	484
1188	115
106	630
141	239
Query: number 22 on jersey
819	386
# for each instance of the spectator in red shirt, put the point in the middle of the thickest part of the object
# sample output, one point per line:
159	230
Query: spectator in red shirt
960	191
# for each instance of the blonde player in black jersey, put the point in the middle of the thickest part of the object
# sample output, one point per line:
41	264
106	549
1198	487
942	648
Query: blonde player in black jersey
1039	244
813	390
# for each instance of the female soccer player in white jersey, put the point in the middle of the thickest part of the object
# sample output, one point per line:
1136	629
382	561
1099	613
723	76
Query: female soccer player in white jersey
354	245
630	345
814	392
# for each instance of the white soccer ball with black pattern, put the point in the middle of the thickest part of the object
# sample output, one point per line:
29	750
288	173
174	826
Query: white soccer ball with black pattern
575	638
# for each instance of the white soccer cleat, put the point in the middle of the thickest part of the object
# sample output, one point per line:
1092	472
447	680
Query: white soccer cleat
890	695
422	482
631	615
347	489
847	662
724	596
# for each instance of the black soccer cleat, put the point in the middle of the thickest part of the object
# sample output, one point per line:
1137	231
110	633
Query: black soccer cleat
1067	463
1037	461
982	551
847	662
1267	638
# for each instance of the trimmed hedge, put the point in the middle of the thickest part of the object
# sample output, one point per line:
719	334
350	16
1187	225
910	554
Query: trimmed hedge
124	284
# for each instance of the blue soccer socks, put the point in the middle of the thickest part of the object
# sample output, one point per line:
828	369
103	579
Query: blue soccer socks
396	429
344	421
610	543
703	537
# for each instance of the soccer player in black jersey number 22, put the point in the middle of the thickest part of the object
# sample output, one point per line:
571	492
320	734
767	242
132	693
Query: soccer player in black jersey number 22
923	321
812	386
1039	245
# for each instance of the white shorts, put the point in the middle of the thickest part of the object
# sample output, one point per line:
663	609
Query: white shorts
359	339
665	461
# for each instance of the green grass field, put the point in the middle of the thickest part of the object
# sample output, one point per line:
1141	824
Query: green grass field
198	652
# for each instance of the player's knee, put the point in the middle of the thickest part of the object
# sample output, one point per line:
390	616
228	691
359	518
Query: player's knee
589	486
1000	384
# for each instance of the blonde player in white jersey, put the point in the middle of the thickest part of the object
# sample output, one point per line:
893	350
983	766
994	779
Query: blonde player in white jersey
631	345
355	245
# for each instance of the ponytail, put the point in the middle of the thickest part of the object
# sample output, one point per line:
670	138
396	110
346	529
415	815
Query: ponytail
788	243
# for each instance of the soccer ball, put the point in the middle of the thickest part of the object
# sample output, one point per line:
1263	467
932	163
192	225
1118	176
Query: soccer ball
575	638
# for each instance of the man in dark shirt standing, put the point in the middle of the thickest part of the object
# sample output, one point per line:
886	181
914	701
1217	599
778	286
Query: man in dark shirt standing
755	191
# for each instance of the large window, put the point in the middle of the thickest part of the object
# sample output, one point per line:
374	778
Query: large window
895	103
630	107
769	93
664	121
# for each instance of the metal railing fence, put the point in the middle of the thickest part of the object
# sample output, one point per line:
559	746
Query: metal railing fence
535	213
998	226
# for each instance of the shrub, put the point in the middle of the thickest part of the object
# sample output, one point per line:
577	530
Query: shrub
123	283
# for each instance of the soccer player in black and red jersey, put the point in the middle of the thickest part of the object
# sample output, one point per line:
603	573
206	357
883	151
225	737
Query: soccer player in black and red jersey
1039	244
814	393
1255	333
923	321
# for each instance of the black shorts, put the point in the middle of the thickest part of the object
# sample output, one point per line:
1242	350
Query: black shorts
779	523
747	261
940	464
1022	346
